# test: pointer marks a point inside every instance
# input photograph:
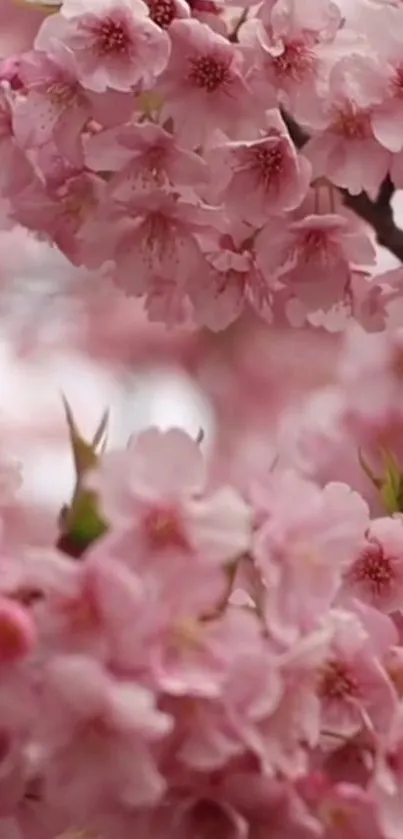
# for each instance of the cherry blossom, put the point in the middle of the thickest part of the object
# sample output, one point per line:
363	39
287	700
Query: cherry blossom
268	170
164	501
310	250
204	85
375	575
116	46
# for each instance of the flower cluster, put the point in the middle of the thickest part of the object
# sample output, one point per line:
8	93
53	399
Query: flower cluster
207	642
193	660
131	133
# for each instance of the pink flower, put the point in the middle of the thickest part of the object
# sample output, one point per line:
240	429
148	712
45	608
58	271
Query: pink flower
203	87
307	537
268	170
64	211
376	576
387	116
52	106
144	157
283	738
114	45
346	151
157	489
159	239
226	285
352	685
313	257
97	733
287	67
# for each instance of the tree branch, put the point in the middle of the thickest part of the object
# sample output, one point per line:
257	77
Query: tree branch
378	214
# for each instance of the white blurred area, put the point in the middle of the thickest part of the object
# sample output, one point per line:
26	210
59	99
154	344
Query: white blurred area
32	421
31	397
31	410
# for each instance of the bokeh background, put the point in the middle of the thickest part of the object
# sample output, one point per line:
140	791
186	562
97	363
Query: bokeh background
50	330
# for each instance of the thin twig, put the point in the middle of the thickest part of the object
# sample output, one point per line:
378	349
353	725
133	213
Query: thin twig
233	37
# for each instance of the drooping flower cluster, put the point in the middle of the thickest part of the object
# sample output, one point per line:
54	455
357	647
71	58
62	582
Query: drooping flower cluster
132	133
209	644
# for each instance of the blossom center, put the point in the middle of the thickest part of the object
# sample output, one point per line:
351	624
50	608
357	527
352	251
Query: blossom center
162	12
296	62
351	123
336	682
373	567
163	529
112	37
208	73
315	243
268	161
61	94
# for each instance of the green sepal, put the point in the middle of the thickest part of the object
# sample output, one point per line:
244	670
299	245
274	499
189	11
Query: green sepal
392	484
81	522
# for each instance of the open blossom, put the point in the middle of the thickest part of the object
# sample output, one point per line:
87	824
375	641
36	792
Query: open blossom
268	170
346	150
352	685
376	576
157	490
114	45
62	210
203	86
52	107
306	538
93	726
231	282
314	256
286	63
143	156
159	238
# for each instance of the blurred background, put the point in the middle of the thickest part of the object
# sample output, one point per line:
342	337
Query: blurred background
70	334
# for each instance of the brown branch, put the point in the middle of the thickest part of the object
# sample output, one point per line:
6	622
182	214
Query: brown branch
233	37
378	214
